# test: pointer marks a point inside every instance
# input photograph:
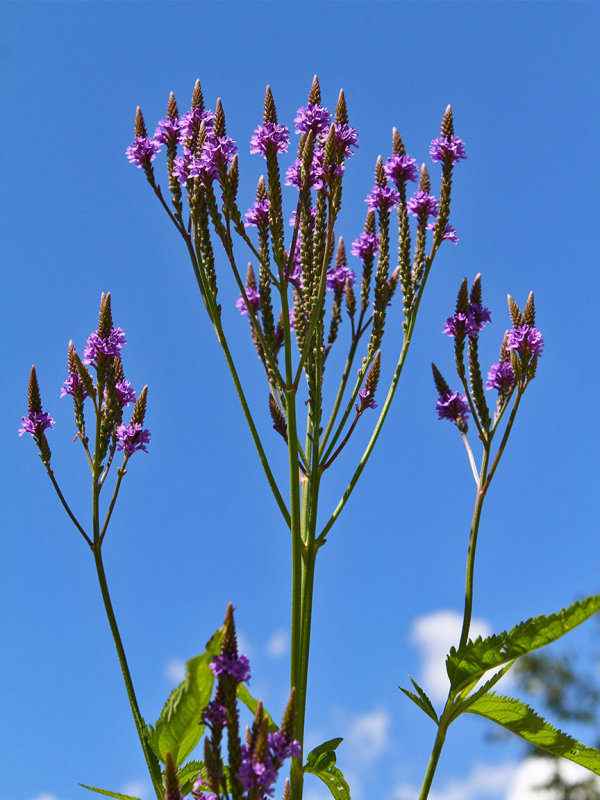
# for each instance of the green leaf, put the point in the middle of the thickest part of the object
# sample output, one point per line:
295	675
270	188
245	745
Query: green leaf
517	717
468	664
108	793
421	700
178	728
321	762
187	775
250	702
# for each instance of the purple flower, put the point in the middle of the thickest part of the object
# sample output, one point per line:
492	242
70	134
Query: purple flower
337	277
238	667
313	118
423	204
142	151
401	168
254	774
382	198
73	386
167	131
480	316
35	422
253	296
501	377
365	246
449	232
281	747
346	137
191	121
215	715
272	136
367	398
447	148
452	406
525	340
125	393
324	173
259	213
110	346
132	437
468	324
218	151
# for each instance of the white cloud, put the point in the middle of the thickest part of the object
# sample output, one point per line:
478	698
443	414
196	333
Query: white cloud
45	796
367	736
534	772
277	645
434	634
484	782
139	788
174	670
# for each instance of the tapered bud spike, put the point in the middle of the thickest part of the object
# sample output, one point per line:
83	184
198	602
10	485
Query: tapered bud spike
172	111
424	183
340	256
462	299
515	313
34	400
118	369
139	409
373	376
475	296
286	789
314	96
398	148
250	278
529	311
219	123
172	789
261	189
140	125
229	646
447	123
341	110
71	357
504	351
270	112
277	415
440	384
380	176
105	322
288	722
370	222
234	175
198	97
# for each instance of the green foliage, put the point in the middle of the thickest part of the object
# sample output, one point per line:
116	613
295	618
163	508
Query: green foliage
321	762
178	729
469	663
187	775
421	700
519	718
109	793
251	703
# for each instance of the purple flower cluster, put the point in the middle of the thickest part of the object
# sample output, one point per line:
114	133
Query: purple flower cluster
367	398
448	149
258	215
346	137
468	324
423	204
215	715
453	406
142	151
313	118
125	393
270	136
36	422
260	773
217	151
449	233
526	341
238	667
74	387
501	376
253	296
132	437
401	168
365	246
337	277
168	131
382	198
97	346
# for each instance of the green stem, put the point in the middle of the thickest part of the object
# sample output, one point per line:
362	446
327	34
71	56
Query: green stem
72	516
433	762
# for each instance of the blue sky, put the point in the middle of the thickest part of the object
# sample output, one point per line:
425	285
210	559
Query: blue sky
195	526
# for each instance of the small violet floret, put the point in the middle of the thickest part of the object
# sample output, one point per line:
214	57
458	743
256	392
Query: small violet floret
142	151
346	137
272	136
109	346
313	118
367	398
237	667
168	131
258	215
125	393
423	204
401	168
452	406
73	386
337	277
525	340
365	246
447	148
501	376
253	296
36	422
468	324
382	198
449	233
132	437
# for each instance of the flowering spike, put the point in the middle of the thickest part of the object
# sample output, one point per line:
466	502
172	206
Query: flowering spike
34	400
440	384
105	323
529	311
172	789
380	176
314	96
462	299
250	278
341	110
261	189
340	256
229	645
139	410
367	393
270	112
278	417
350	298
172	110
475	296
398	148
286	789
447	123
288	721
82	372
197	97
219	128
477	384
424	183
516	316
140	125
234	176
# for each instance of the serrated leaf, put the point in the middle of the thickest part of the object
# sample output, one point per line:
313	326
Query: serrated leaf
474	659
178	729
421	700
321	762
519	718
187	775
252	704
109	793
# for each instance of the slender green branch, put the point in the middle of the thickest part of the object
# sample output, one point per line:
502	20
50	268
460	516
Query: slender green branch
121	474
72	516
471	458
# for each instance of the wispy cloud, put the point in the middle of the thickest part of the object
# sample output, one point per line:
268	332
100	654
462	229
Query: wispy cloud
534	772
45	796
367	736
136	788
174	670
434	634
277	644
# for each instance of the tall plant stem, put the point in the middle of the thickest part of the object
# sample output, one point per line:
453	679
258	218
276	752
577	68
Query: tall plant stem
433	761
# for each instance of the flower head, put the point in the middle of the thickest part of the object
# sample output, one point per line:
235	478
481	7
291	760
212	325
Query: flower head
448	149
168	131
382	198
365	246
125	393
109	346
142	151
401	168
191	122
35	423
453	406
238	667
367	398
337	277
272	136
525	340
132	437
448	233
73	386
468	324
346	137
253	296
313	118
501	376
259	213
423	204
